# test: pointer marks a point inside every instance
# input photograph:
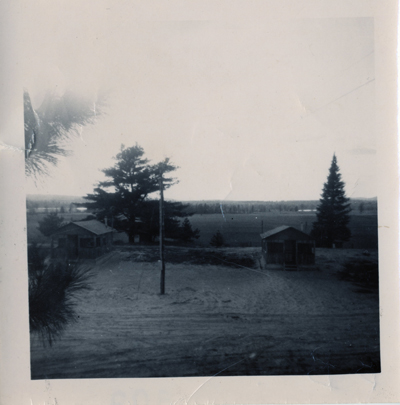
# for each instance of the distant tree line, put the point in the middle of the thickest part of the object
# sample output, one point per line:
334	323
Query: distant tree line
33	209
61	204
207	207
212	207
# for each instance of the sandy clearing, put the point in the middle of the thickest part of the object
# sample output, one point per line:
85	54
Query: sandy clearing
211	289
214	318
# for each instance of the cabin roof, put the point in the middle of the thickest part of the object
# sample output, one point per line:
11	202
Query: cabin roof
280	229
93	226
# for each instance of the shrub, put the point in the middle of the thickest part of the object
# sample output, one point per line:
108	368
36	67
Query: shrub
50	223
52	288
361	271
187	233
217	240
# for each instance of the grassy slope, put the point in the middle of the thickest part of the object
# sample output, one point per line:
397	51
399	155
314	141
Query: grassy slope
243	229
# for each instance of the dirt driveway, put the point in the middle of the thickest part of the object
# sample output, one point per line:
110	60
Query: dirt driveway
215	320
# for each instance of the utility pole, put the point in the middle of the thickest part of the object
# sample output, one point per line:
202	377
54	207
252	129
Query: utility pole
162	282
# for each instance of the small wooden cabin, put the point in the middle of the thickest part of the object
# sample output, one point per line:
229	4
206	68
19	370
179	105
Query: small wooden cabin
82	239
287	247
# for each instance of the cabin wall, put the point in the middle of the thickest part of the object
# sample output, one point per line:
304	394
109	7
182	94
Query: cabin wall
305	253
275	252
80	245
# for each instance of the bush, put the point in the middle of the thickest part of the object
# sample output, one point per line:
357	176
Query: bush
217	240
361	271
50	223
52	287
187	233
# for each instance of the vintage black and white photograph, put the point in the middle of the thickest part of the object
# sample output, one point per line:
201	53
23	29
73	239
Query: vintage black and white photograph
201	195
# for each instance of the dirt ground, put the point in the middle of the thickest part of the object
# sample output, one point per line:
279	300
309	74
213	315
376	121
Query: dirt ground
215	319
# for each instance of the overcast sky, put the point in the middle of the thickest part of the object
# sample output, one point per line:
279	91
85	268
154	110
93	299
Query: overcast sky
250	107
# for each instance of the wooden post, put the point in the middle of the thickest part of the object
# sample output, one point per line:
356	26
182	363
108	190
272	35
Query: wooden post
162	281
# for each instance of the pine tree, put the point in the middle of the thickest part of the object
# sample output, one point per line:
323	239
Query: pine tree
52	287
50	223
187	233
49	128
52	294
333	211
217	240
174	211
126	191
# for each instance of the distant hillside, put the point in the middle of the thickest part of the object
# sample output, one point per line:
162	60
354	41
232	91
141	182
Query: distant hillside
269	202
359	205
51	201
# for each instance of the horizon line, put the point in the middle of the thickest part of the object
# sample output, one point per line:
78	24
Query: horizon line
206	200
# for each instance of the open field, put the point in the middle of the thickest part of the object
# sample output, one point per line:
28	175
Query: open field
216	318
244	229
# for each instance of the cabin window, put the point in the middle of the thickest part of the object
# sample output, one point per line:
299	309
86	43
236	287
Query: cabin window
275	247
305	248
62	242
98	242
87	243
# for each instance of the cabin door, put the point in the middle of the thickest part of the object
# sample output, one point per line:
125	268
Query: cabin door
72	246
290	252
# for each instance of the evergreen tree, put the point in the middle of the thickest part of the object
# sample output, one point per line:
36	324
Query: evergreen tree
126	192
173	211
187	233
52	294
217	240
333	211
50	223
48	128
